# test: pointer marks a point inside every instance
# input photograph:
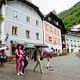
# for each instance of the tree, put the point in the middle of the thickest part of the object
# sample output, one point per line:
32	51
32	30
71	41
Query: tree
1	17
71	16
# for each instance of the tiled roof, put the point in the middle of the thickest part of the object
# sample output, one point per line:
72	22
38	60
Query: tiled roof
53	18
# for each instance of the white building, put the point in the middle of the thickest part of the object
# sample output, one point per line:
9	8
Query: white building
22	23
72	42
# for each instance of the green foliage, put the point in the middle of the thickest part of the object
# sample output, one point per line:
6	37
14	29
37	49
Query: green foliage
71	17
1	17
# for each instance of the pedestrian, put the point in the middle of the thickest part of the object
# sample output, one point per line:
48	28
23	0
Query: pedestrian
37	55
19	60
25	63
25	59
3	57
48	61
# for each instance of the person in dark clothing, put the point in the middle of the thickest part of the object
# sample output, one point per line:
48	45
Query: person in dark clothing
25	63
37	56
25	59
3	57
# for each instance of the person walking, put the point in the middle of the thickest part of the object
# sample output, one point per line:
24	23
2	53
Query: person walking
48	62
37	57
19	60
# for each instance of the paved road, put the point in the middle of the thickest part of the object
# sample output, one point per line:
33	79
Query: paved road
63	68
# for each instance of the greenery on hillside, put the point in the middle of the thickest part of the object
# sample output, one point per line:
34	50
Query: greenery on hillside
62	13
71	17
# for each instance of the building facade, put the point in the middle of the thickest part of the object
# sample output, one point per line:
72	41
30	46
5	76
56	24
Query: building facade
53	32
72	42
22	23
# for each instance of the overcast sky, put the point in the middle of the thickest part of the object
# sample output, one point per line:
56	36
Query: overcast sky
58	5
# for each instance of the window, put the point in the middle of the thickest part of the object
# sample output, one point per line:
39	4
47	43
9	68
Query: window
75	46
14	30
78	45
37	36
27	33
74	40
37	22
71	40
28	19
54	22
49	18
50	39
66	39
71	45
54	31
15	14
57	23
58	33
67	45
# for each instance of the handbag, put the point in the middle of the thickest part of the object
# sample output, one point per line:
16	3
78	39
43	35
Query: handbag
41	58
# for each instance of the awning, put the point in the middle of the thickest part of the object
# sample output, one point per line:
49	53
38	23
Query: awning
29	45
34	45
41	45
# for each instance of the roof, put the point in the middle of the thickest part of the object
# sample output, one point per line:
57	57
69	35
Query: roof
76	26
57	19
27	2
73	33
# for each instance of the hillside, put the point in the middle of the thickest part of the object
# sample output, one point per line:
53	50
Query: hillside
71	17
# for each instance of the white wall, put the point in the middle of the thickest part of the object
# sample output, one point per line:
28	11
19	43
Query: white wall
72	42
21	23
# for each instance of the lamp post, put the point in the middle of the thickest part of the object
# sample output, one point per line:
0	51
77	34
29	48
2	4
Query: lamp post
7	36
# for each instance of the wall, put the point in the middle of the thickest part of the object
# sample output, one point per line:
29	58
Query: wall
72	42
54	33
21	10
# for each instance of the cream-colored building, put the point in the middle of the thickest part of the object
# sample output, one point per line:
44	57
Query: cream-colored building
22	23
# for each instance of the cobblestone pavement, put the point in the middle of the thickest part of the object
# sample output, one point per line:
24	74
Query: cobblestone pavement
63	68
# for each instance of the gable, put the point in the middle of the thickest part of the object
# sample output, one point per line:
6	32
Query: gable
54	20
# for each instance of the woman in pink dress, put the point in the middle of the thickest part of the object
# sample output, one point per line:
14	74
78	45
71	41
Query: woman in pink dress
19	60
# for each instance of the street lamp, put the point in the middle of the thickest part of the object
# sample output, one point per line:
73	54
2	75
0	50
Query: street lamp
7	36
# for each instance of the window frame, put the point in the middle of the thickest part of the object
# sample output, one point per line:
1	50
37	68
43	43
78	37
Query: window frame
37	35
28	19
37	22
27	34
14	30
15	14
50	38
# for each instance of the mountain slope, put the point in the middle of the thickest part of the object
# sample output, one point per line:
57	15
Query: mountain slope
71	17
